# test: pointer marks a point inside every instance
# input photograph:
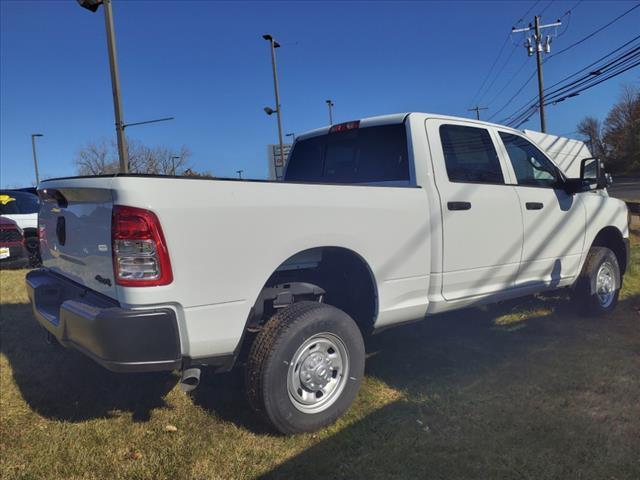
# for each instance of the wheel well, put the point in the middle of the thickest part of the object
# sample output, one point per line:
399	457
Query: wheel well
344	277
611	238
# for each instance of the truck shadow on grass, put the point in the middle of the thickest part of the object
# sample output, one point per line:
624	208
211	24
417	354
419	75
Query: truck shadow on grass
430	363
445	351
510	392
62	384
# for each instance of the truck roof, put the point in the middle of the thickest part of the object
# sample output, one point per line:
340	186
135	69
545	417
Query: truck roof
395	118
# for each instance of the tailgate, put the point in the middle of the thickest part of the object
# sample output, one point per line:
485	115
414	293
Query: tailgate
75	235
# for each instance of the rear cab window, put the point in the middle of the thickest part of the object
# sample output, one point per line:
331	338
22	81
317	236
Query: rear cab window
368	155
470	155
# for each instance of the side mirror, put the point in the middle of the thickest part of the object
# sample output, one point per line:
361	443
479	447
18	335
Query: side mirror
592	174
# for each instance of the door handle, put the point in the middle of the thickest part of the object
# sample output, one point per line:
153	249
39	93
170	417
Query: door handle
459	205
534	206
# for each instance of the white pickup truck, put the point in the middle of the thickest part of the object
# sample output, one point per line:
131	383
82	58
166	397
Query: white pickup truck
378	222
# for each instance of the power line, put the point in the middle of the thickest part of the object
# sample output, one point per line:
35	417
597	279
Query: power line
519	69
621	61
598	60
497	75
545	8
567	14
595	32
535	45
504	44
577	92
518	112
528	12
513	77
561	97
595	78
533	73
574	88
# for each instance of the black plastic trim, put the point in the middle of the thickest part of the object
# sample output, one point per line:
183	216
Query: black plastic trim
120	340
221	363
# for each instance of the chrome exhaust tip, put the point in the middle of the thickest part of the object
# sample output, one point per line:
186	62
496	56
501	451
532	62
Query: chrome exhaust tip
189	379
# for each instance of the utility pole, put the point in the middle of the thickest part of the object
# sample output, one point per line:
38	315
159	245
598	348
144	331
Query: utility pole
534	42
330	104
477	110
35	157
273	45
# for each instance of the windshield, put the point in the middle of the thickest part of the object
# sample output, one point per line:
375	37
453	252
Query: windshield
362	155
15	203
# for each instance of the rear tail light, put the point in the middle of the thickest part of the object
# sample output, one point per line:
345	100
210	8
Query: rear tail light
140	255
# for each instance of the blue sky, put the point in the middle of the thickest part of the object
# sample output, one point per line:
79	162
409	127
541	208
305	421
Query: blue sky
205	63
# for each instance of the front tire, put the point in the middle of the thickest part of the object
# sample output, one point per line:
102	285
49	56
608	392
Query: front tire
305	367
598	287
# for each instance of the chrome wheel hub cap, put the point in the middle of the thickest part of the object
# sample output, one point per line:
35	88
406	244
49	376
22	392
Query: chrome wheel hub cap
318	373
605	285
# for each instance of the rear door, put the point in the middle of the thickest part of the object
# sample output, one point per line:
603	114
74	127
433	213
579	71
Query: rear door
482	222
75	235
554	221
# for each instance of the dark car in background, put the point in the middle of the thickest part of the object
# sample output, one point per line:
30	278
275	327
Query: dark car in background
12	249
22	207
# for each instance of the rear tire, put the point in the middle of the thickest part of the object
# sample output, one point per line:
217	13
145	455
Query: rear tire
598	286
305	367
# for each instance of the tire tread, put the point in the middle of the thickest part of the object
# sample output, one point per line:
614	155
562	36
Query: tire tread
264	344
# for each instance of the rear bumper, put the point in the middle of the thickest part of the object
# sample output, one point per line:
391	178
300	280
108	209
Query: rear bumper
17	255
120	340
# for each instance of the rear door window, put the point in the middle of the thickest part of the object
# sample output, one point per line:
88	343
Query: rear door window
469	155
361	155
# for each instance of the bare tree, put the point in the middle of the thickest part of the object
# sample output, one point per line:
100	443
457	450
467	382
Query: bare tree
617	140
622	131
95	159
591	130
102	158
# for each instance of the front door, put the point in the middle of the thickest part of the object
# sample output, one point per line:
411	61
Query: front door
481	217
554	221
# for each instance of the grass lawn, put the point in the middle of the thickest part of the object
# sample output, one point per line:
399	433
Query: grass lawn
525	390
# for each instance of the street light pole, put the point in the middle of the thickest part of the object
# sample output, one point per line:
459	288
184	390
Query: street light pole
35	157
273	44
330	104
173	164
123	153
